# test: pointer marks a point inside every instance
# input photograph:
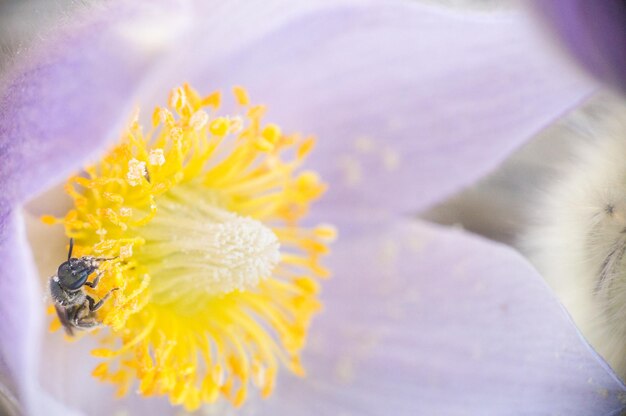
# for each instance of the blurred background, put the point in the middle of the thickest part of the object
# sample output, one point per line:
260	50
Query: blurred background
22	21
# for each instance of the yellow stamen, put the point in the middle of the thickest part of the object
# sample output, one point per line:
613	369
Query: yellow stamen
241	95
217	282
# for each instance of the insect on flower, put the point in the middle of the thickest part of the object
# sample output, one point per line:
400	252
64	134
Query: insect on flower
425	309
75	308
214	275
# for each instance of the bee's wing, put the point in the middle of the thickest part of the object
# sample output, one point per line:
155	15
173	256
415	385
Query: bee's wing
62	314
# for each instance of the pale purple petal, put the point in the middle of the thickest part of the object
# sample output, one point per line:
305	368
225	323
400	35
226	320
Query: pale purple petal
66	376
594	32
21	309
410	103
70	96
431	320
60	101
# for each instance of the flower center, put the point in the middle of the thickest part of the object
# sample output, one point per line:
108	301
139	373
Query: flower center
212	282
194	248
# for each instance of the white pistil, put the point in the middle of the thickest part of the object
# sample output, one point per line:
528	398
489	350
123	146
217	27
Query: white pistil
199	249
240	253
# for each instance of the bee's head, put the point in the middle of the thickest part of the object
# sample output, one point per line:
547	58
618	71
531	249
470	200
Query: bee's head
73	274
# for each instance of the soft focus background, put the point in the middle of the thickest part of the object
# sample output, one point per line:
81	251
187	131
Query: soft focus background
22	21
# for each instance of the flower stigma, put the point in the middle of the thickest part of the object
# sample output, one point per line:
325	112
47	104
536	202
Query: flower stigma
217	280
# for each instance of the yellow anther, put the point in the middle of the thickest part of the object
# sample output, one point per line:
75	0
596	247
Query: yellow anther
198	120
308	186
176	134
219	126
48	219
156	158
178	99
305	148
212	100
241	95
156	117
162	116
307	284
192	97
55	325
101	370
271	133
256	112
263	144
102	353
326	232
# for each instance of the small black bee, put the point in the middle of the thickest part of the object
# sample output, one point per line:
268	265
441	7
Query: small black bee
75	308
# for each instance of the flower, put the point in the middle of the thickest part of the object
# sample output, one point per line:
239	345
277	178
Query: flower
410	103
196	227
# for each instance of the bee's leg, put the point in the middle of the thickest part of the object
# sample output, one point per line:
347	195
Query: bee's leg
104	258
78	312
79	317
93	306
95	281
83	318
87	322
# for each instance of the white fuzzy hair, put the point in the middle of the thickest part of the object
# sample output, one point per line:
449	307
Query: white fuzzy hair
579	241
